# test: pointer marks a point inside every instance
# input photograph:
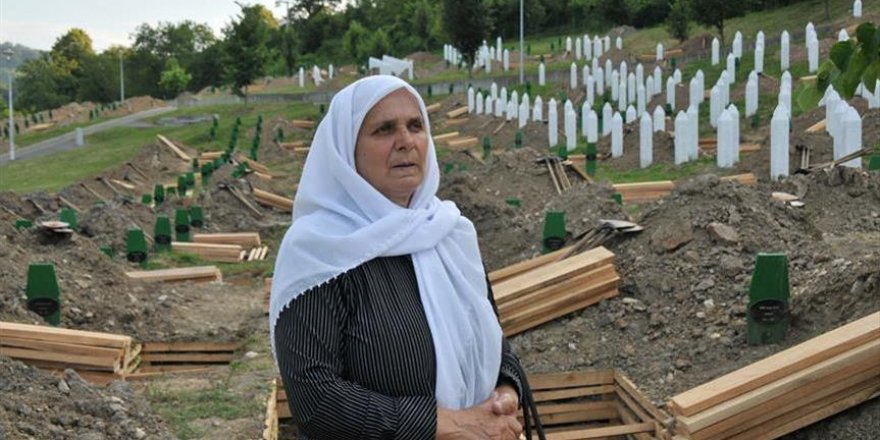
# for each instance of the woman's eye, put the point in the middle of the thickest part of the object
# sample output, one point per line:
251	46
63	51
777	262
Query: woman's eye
415	125
384	128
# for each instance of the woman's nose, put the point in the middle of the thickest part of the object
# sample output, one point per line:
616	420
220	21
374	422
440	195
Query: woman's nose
405	139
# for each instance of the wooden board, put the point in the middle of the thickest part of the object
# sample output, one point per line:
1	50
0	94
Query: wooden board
455	122
273	200
524	266
849	362
597	433
150	347
189	358
818	127
775	367
551	274
445	136
464	142
303	123
745	179
457	112
198	273
177	151
226	253
54	334
112	364
243	239
433	107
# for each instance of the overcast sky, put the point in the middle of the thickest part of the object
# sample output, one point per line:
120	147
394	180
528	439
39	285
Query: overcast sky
38	23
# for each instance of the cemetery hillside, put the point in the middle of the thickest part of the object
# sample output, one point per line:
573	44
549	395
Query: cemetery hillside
677	204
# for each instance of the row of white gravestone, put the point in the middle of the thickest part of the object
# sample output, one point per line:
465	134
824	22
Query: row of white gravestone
589	48
316	75
687	129
844	125
728	138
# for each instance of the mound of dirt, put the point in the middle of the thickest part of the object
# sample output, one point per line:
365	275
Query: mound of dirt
36	405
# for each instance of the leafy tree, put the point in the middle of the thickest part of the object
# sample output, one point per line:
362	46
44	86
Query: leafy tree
307	9
247	52
853	62
73	48
466	23
174	79
714	12
354	41
378	44
188	42
38	84
99	78
678	21
285	39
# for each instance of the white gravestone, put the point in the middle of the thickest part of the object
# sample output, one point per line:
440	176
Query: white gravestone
631	88
670	93
716	52
500	107
658	80
694	132
506	60
779	143
724	148
785	51
538	112
660	53
80	141
478	104
608	69
573	76
751	96
607	114
552	124
759	59
852	124
488	106
731	68
302	77
493	91
857	9
588	48
813	55
716	105
590	85
734	115
523	115
470	98
649	88
600	81
567	44
541	78
842	35
738	44
510	111
631	114
570	129
619	43
646	141
498	48
621	99
616	135
615	85
577	49
641	104
659	119
592	131
681	138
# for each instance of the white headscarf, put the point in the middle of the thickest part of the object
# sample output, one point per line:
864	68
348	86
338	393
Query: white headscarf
340	222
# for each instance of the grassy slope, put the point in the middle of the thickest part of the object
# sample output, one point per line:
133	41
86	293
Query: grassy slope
114	147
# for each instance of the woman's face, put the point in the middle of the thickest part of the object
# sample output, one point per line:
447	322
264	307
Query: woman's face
391	147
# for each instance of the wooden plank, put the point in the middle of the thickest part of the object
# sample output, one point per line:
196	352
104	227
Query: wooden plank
303	123
816	374
551	273
813	412
68	203
455	122
252	164
818	127
603	411
125	185
457	112
54	334
243	239
62	358
745	179
445	136
464	142
571	379
152	347
61	347
569	393
628	418
270	424
661	185
190	358
172	147
179	368
200	273
263	253
524	266
760	414
782	364
584	280
630	389
273	200
210	155
560	310
595	433
433	107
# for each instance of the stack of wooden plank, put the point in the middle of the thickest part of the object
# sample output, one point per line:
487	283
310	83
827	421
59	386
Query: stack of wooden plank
786	391
221	253
198	274
644	191
243	239
594	404
549	291
183	356
273	200
99	357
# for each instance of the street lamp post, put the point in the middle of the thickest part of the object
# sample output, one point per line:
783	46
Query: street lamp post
521	48
8	53
121	80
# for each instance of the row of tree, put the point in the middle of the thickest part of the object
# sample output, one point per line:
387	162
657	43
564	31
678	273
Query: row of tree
168	58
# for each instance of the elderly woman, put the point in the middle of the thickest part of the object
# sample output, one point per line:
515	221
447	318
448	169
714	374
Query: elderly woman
382	321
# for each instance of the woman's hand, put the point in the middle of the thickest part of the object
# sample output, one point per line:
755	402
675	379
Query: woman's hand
506	401
480	422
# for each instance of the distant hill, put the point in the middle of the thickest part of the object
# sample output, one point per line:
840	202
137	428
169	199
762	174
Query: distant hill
20	54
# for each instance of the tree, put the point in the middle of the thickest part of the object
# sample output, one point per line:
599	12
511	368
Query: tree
678	21
247	51
74	47
174	79
354	41
714	12
466	23
99	78
37	86
852	63
377	45
306	9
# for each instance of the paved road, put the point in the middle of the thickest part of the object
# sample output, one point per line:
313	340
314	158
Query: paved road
67	141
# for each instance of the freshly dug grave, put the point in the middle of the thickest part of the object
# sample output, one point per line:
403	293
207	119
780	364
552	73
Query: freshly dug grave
36	405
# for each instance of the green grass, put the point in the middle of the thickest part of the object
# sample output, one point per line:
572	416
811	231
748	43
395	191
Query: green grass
180	407
113	147
655	172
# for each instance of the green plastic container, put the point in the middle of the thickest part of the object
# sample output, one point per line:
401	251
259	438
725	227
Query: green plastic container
43	294
136	246
181	225
554	231
196	216
162	234
768	314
